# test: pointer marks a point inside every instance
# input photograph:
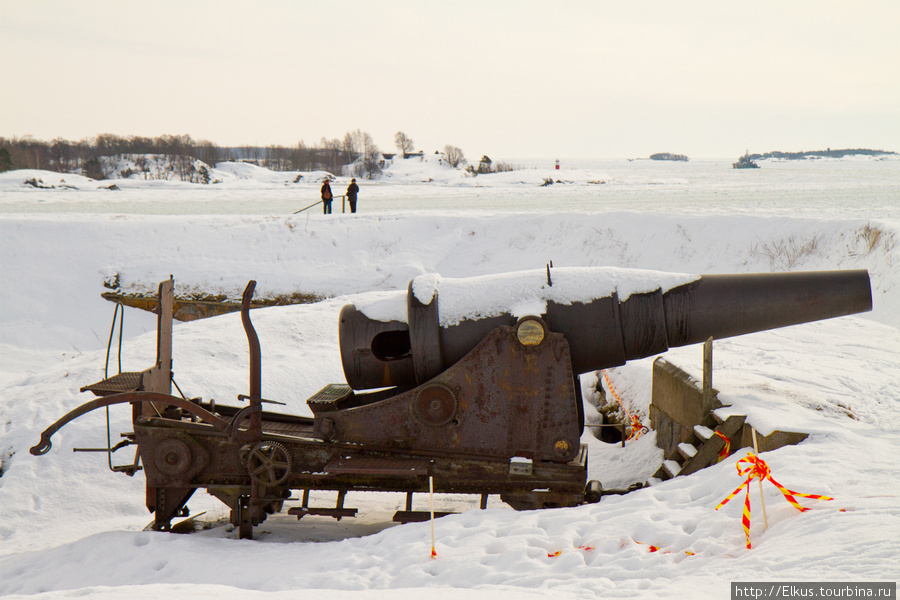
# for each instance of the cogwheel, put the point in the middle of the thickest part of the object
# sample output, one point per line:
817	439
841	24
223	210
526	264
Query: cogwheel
435	404
269	463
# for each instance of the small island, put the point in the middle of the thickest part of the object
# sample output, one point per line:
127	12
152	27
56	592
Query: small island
669	156
816	154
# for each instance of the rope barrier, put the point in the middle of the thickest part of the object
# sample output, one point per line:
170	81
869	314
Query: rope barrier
623	543
637	428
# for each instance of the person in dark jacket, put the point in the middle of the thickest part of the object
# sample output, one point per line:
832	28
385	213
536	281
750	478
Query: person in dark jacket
352	191
327	197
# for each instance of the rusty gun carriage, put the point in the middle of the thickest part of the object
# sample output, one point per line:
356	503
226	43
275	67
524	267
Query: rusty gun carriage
484	402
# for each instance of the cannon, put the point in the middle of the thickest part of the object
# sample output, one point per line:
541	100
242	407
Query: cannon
469	385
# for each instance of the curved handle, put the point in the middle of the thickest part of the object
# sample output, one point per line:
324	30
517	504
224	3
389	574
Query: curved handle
44	446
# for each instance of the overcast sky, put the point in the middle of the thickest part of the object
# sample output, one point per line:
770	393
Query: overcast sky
516	79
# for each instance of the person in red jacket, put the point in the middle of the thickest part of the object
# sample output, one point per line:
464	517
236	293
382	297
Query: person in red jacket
327	197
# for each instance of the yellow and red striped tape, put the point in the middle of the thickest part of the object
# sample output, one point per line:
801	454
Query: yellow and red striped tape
727	449
637	428
755	467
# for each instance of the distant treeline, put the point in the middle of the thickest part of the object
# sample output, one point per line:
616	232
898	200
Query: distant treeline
820	154
83	156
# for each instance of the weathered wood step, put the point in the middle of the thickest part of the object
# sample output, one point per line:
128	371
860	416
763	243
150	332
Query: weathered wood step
708	453
702	432
671	467
687	450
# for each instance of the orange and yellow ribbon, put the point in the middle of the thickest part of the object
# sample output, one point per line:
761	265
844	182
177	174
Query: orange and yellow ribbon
637	428
757	467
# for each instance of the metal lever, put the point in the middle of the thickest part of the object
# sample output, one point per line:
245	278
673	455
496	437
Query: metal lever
263	400
121	444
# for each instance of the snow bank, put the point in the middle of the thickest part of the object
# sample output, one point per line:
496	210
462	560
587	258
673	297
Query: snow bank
54	265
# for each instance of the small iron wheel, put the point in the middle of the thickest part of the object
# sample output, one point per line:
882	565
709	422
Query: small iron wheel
435	404
269	463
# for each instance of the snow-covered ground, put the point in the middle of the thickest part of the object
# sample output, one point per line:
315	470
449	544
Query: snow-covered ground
69	527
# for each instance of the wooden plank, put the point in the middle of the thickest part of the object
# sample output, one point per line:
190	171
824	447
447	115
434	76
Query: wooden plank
417	516
708	453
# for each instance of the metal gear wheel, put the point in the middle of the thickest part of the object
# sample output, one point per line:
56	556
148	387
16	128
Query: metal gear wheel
269	463
435	404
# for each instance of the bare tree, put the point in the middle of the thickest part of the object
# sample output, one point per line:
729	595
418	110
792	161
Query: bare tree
301	157
208	152
109	144
349	148
403	142
184	165
62	154
332	150
250	153
141	163
6	163
356	140
363	146
94	170
278	158
454	156
372	157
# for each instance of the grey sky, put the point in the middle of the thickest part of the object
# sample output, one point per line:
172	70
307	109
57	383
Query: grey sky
507	79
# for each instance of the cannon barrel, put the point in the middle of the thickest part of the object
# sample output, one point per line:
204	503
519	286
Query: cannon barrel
608	316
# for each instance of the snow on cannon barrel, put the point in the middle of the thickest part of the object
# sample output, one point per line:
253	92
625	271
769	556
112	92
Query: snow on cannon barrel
608	316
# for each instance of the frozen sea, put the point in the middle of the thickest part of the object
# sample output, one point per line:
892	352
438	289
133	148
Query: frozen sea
866	188
71	529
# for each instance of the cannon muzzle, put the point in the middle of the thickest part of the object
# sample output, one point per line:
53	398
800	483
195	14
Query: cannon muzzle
608	316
